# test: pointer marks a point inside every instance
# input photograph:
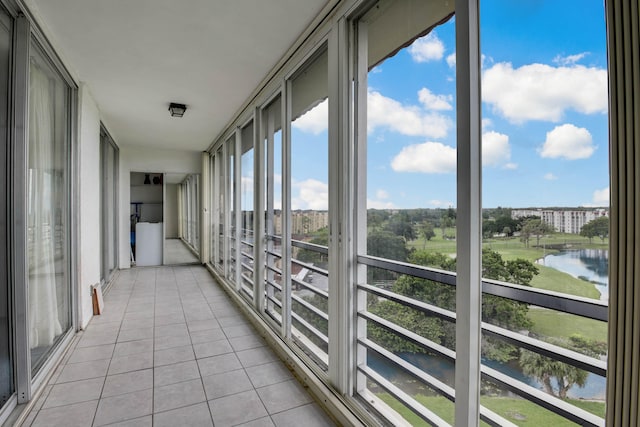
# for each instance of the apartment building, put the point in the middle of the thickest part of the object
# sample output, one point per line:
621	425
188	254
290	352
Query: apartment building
562	220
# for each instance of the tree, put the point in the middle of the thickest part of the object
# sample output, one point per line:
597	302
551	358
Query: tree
558	377
384	244
598	227
447	220
566	376
535	227
320	237
400	224
426	229
545	369
499	311
376	217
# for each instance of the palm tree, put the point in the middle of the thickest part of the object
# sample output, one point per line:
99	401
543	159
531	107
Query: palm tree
545	369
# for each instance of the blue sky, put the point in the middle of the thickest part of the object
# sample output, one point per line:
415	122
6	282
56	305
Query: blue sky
544	115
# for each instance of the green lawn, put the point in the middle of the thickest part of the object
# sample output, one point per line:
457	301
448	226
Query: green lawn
519	411
561	325
555	280
512	248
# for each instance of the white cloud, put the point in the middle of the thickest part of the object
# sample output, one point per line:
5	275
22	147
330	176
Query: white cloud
451	60
544	92
486	124
379	204
314	121
382	194
550	176
429	157
510	166
569	59
311	194
495	149
427	48
440	203
601	197
435	157
434	102
407	120
568	142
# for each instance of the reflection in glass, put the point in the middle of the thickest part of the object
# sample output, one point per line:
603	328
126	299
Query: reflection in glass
47	202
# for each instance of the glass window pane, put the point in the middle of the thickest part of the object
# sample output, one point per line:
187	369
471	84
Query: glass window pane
246	207
272	140
545	189
310	207
47	208
411	193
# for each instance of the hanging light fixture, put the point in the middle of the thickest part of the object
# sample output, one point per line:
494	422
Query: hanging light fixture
177	110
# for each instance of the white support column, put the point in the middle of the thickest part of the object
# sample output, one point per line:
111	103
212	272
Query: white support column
286	210
205	208
237	207
341	285
469	216
360	42
227	209
258	211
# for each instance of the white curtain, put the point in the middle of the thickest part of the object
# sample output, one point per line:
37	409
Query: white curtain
44	322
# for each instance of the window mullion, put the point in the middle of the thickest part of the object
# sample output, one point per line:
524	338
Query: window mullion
469	226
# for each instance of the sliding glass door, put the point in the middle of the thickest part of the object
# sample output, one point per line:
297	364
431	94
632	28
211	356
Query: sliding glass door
6	364
48	201
109	205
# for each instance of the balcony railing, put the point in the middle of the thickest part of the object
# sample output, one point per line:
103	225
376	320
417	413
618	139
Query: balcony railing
310	319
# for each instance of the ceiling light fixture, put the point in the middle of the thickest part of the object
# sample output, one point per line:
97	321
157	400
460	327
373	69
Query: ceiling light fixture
177	110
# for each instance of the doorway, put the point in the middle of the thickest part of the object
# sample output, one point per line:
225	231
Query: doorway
146	218
180	209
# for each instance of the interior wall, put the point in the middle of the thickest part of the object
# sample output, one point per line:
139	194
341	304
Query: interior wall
141	159
89	254
149	196
171	211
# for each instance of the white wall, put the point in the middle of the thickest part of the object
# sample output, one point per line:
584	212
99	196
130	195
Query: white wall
89	202
171	211
142	159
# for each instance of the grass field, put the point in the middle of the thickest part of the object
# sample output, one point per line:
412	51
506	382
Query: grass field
513	248
518	411
545	322
561	325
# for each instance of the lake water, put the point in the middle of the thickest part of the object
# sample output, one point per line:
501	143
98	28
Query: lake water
589	264
444	371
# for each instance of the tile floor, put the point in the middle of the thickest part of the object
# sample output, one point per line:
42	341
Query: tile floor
177	252
172	350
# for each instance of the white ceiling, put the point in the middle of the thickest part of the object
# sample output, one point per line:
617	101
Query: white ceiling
137	56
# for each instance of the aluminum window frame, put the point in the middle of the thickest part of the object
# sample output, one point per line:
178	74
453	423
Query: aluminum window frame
107	208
